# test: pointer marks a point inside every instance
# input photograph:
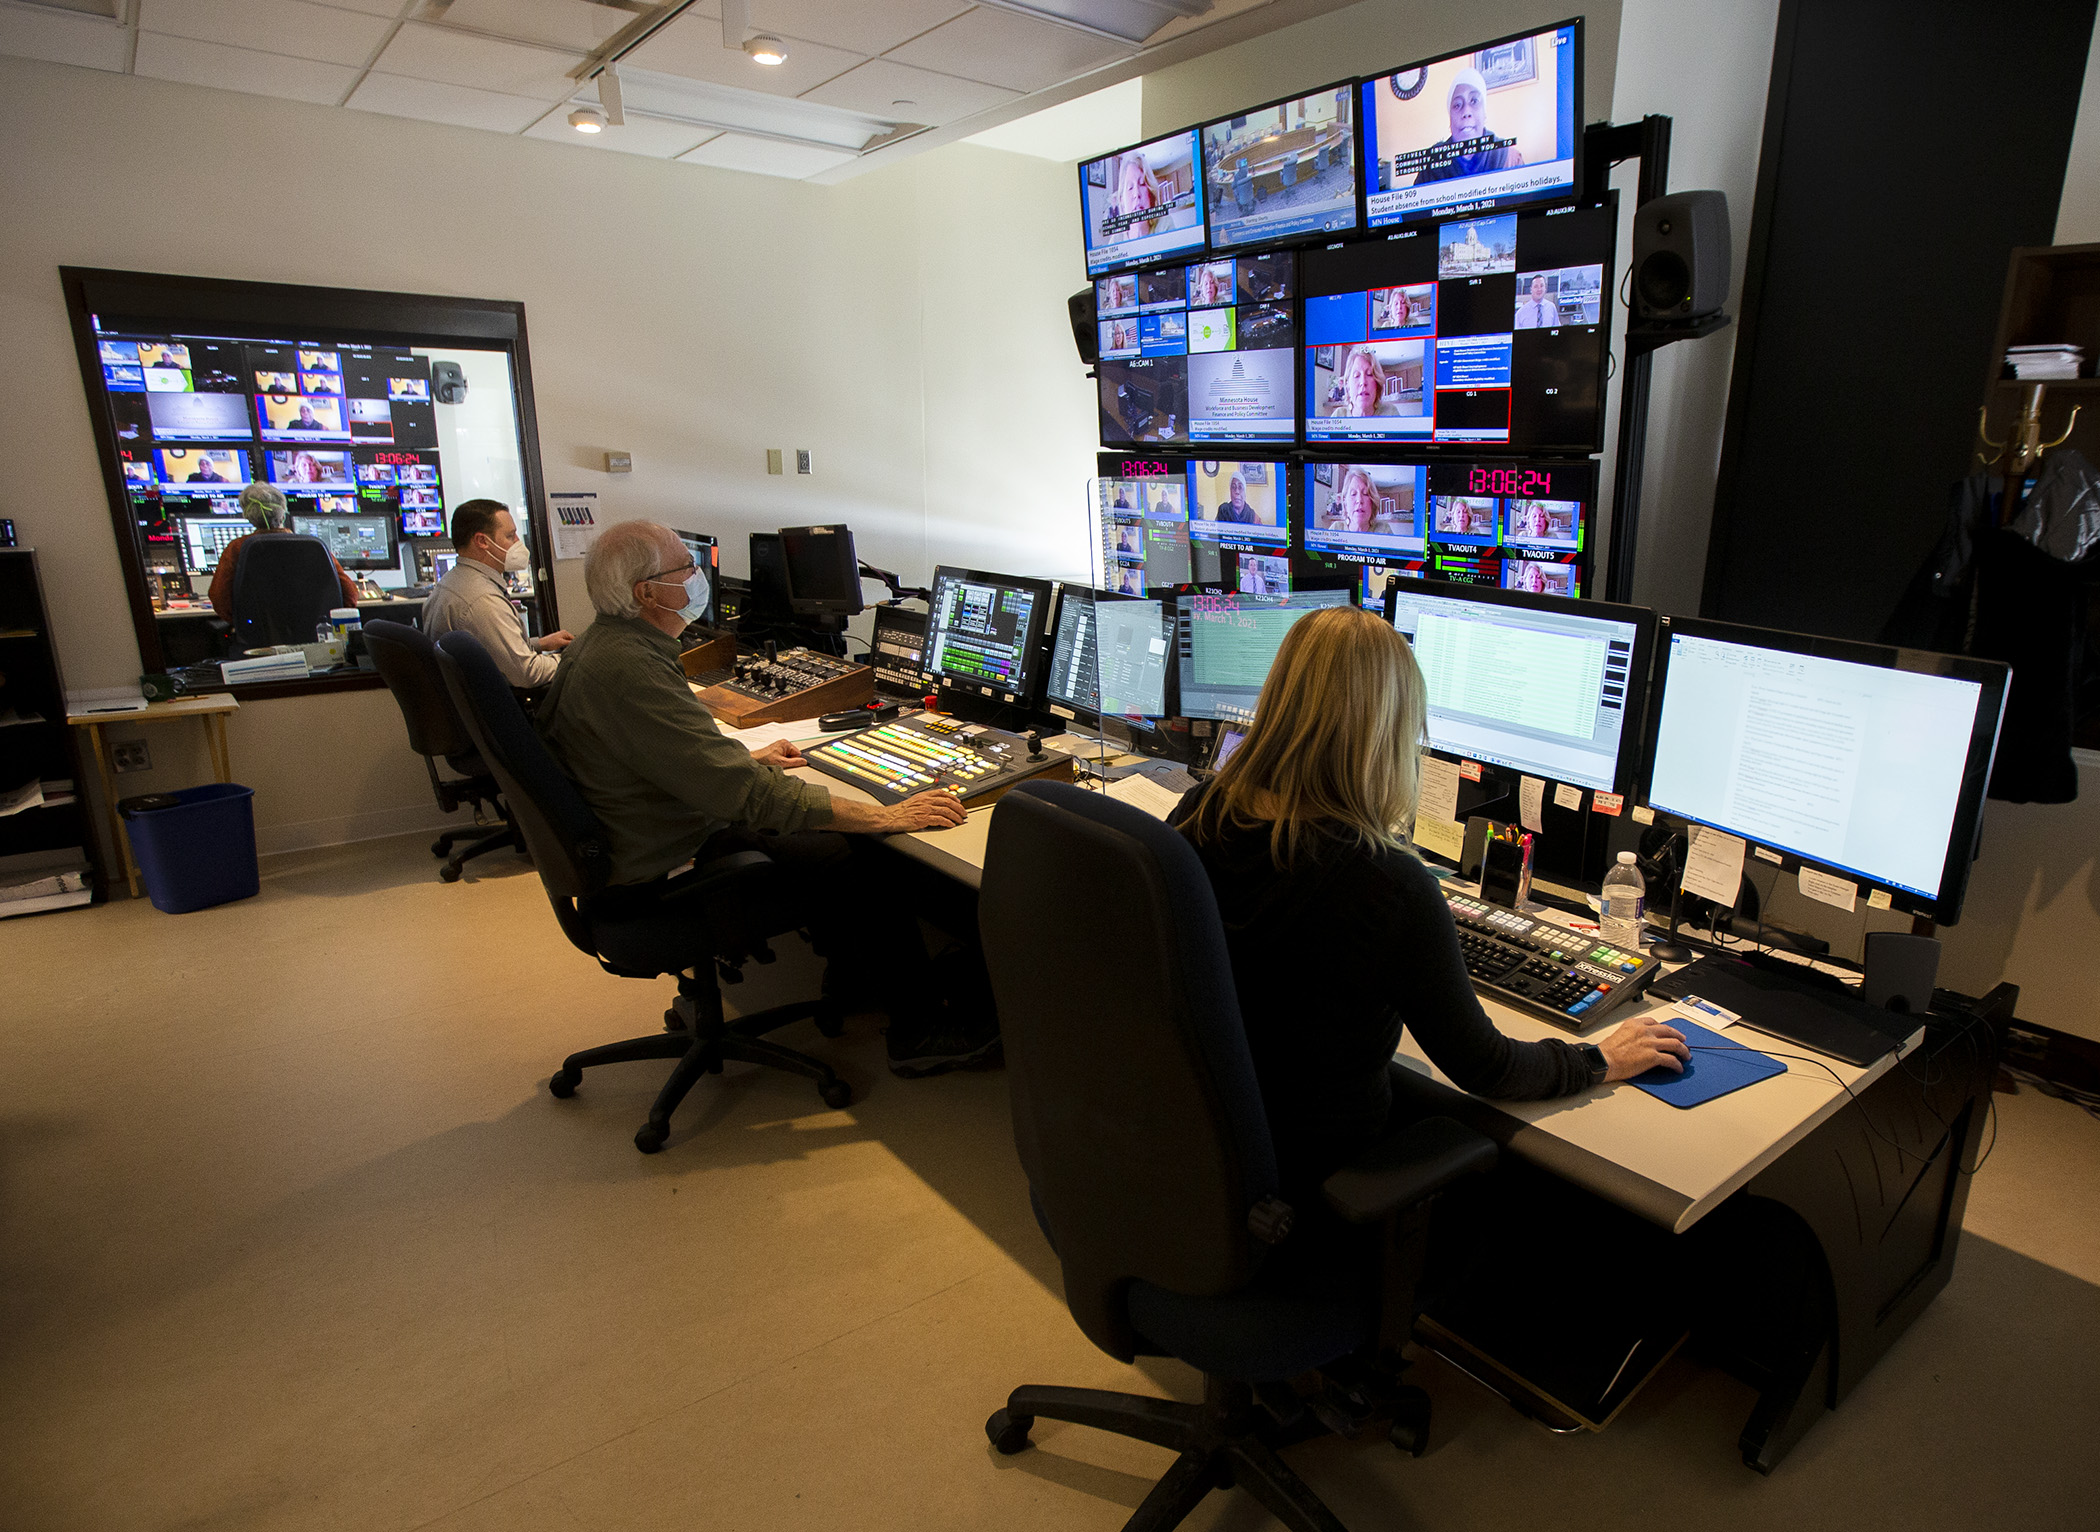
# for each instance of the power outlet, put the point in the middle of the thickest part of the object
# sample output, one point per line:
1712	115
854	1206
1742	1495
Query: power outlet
130	755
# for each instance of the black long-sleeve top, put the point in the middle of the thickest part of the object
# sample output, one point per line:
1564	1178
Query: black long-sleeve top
1331	959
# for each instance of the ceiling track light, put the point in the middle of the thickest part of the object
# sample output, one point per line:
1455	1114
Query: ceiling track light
766	49
587	119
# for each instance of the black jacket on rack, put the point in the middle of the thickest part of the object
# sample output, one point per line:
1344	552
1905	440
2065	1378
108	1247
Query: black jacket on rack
2018	593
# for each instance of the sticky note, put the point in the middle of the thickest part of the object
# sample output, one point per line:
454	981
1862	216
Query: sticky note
1768	854
1531	802
1878	899
1713	867
1643	815
1439	789
1568	797
1841	892
1607	803
1442	837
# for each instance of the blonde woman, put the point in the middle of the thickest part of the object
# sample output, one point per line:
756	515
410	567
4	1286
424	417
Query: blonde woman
1137	189
1338	936
1362	384
1356	505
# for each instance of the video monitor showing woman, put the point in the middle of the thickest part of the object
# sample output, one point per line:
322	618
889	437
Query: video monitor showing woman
1470	519
1490	127
1238	504
1364	512
1547	525
1142	204
1115	295
300	467
1539	578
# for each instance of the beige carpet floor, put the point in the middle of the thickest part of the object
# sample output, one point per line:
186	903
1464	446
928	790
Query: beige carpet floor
293	1236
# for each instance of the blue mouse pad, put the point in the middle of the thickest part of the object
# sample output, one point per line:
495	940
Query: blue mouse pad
1717	1067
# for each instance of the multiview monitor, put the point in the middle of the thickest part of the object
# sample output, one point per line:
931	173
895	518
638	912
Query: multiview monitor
984	631
1142	204
1286	170
358	542
1109	657
1189	354
1543	686
1515	524
1481	329
1862	762
1168	523
1481	130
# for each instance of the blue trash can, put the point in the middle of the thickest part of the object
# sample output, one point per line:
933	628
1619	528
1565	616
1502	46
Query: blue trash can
195	848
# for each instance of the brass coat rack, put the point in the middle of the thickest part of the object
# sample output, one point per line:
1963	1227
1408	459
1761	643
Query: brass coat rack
2023	445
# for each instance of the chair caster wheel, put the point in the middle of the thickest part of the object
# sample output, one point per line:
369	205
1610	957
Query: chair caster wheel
1410	1432
673	1022
565	1082
836	1093
438	848
830	1024
650	1137
1009	1433
448	873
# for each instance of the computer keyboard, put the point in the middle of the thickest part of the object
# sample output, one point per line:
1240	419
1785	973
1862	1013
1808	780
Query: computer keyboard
1547	970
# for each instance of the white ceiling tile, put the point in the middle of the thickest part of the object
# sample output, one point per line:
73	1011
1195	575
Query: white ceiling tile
692	46
458	58
288	27
854	25
59	38
244	69
764	156
573	24
462	106
641	135
1004	49
877	87
386	8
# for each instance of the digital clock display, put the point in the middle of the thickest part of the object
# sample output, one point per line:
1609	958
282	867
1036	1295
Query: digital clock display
1518	480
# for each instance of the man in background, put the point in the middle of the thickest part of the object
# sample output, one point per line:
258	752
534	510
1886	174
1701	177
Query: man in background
473	597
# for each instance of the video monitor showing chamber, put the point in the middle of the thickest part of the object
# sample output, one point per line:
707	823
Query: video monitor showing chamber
204	538
198	417
1108	658
983	630
1490	127
1480	329
1553	688
1194	363
198	470
1239	504
1142	204
301	417
1283	171
1868	761
1226	643
299	466
357	541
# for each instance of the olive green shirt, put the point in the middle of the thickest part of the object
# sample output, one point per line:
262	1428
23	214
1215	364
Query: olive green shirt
649	758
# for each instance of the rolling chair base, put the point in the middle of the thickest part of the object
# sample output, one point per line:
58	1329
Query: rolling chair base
1225	1441
492	838
702	1045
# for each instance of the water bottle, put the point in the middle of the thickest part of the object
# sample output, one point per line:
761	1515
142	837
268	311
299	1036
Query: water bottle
1625	899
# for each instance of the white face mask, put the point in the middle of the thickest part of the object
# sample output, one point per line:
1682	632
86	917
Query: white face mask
695	589
517	556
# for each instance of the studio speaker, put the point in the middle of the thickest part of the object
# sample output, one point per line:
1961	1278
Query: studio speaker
1680	256
1086	333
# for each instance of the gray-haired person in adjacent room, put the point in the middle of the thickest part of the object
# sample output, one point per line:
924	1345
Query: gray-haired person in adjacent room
675	792
264	506
473	597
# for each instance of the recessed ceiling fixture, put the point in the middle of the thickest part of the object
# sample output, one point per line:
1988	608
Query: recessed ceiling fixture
587	119
767	50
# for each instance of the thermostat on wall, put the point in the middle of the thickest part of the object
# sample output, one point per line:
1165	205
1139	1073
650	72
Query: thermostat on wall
619	462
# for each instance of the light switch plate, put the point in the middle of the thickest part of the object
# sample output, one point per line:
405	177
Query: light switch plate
772	460
619	462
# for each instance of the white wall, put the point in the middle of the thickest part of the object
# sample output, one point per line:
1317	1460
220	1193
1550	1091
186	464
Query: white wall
2078	216
908	328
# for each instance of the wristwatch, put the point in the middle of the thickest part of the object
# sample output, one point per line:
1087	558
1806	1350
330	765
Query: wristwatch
1600	1066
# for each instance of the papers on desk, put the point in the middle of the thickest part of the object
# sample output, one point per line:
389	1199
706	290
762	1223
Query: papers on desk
13	800
801	731
1142	792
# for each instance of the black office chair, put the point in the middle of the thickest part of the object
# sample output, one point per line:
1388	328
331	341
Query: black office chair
407	662
284	587
715	919
1140	1125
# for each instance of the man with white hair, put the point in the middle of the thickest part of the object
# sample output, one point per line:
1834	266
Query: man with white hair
265	508
674	792
1467	104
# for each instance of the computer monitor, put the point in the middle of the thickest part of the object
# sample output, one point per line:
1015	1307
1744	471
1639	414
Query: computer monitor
1142	204
1109	657
1858	760
1283	171
358	542
823	572
1227	642
441	565
1488	127
984	631
707	558
1549	687
767	601
204	538
1483	328
1201	357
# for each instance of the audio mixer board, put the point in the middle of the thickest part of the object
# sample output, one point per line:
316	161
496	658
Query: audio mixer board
798	683
1547	970
892	761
